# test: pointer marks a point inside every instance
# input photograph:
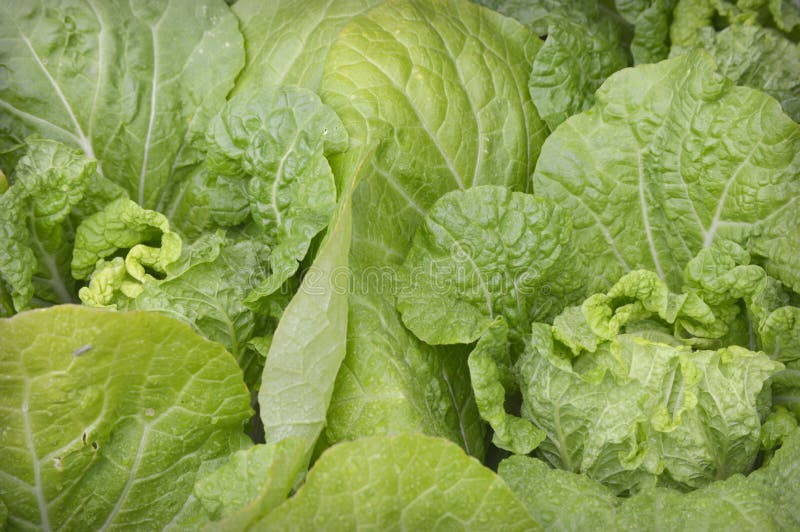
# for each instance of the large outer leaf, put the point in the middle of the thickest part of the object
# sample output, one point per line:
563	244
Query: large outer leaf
108	415
437	92
406	482
127	82
693	159
286	41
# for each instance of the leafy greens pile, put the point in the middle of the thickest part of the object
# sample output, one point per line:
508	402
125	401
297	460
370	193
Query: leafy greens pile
400	264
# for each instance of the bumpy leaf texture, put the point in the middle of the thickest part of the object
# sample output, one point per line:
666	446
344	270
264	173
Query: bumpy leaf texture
764	500
694	159
436	93
487	252
749	49
131	84
35	232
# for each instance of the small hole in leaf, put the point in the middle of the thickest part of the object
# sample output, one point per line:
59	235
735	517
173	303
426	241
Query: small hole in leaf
95	445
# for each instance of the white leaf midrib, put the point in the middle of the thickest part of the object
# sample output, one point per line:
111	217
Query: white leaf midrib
83	140
152	117
715	222
37	472
646	217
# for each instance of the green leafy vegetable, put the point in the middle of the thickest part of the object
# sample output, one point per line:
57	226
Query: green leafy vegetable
113	414
761	500
35	233
407	93
401	482
287	40
266	170
250	484
129	84
122	225
749	50
355	256
486	252
490	368
585	44
309	344
206	287
650	20
654	198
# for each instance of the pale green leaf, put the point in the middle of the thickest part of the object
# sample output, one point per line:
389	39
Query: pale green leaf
250	484
108	415
765	500
310	343
689	148
437	93
487	252
635	406
49	181
559	500
286	41
143	235
130	84
405	482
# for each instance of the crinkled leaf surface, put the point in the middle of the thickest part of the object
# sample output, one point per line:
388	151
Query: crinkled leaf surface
633	409
143	235
130	84
745	51
436	93
486	252
286	41
108	415
206	287
765	500
585	44
266	165
405	482
723	276
694	159
650	20
35	234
